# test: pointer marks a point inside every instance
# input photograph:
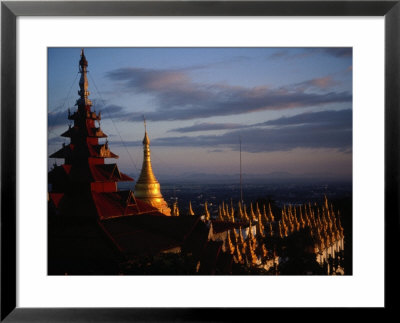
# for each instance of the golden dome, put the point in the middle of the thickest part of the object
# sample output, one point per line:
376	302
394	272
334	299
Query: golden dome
147	187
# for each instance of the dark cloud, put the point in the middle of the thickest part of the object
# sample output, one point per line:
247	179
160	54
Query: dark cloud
207	126
225	62
279	54
57	118
316	130
216	151
56	141
114	111
181	99
112	108
267	139
340	119
338	51
288	54
104	107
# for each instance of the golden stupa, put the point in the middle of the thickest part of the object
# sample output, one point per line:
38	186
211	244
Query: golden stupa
147	187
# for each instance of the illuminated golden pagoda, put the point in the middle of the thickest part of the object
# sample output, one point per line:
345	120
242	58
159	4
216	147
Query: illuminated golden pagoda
240	212
245	215
233	236
190	212
260	227
220	216
250	254
250	235
240	236
252	214
175	209
238	254
229	247
147	187
206	212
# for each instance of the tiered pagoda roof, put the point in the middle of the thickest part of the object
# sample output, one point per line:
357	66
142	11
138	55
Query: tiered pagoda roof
84	176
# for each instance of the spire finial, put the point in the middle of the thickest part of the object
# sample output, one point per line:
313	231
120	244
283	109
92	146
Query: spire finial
83	82
83	62
146	140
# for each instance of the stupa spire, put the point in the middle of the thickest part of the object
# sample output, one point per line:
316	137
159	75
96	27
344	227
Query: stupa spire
190	212
147	175
83	82
147	187
146	140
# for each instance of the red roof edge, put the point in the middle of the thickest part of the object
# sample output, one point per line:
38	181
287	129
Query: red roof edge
56	198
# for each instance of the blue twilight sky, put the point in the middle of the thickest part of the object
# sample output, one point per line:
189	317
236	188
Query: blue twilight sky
291	107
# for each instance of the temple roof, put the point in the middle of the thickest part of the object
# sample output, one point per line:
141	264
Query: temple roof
68	133
63	152
108	172
55	198
137	241
148	233
89	115
59	174
101	151
92	132
62	169
96	132
116	204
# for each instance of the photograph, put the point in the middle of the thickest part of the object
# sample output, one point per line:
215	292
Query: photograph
154	152
200	160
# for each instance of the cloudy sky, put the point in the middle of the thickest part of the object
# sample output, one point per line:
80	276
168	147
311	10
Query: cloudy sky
291	107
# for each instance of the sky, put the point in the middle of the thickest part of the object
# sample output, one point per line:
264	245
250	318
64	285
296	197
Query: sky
291	108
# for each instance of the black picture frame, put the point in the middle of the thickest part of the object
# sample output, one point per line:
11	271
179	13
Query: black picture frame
10	10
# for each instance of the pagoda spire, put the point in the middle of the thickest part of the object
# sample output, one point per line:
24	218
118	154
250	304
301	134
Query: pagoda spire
190	212
84	148
206	212
147	187
147	175
83	82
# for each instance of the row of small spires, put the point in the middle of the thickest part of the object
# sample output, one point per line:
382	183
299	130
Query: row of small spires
247	250
292	218
226	213
325	226
251	250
